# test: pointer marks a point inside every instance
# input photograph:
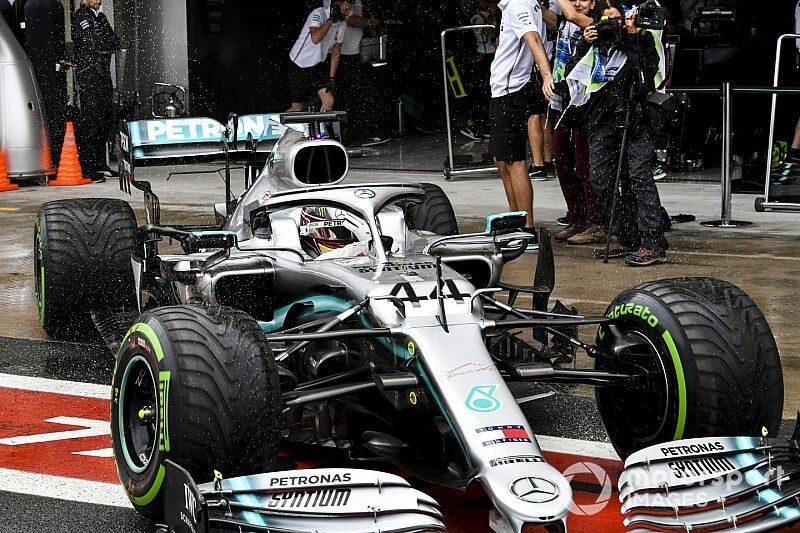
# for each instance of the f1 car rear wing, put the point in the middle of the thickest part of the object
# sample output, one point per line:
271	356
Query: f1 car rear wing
191	137
334	500
740	484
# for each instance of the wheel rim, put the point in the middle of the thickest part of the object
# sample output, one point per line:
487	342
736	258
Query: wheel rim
644	413
138	414
654	403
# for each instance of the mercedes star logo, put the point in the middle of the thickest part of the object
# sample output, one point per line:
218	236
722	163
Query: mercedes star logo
364	193
534	490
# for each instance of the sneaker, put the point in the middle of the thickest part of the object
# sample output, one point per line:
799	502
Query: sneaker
646	257
550	170
97	176
591	235
793	155
573	229
469	132
659	172
108	172
566	220
786	173
615	250
536	173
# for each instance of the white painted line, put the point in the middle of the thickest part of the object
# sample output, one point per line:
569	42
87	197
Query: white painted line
63	488
583	448
92	428
103	452
70	388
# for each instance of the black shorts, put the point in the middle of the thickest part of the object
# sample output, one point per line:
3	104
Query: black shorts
508	125
305	82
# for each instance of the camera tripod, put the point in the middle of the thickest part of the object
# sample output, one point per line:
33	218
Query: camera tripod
620	162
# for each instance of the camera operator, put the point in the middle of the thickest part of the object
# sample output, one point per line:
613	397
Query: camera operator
609	84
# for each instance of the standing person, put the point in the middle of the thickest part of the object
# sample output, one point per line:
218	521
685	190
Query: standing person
322	32
353	82
480	66
520	45
94	41
609	79
789	171
570	147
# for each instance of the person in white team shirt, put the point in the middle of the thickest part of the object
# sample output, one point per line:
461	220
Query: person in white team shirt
323	32
351	74
520	45
478	69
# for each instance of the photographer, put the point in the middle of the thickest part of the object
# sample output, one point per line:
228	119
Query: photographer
609	84
322	32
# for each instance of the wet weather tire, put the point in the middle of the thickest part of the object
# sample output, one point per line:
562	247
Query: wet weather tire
199	387
714	360
434	214
82	262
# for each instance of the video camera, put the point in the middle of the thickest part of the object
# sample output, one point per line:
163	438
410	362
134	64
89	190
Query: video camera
651	16
609	31
336	13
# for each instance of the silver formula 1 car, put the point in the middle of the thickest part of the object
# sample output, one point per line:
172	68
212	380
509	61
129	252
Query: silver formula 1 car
355	318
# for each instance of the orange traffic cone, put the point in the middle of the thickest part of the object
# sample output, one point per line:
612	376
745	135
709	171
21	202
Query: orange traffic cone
69	169
5	183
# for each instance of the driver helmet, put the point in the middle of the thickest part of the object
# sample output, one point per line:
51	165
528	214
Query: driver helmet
321	230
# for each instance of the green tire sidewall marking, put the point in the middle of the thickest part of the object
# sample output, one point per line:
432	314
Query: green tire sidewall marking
151	494
680	427
163	395
41	299
38	252
677	364
120	416
149	334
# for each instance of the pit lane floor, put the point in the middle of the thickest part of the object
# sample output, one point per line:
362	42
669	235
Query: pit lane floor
764	260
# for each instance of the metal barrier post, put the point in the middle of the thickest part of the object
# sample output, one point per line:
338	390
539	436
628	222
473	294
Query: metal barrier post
449	168
727	135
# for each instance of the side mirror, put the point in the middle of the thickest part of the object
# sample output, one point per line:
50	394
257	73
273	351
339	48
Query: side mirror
504	222
260	223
